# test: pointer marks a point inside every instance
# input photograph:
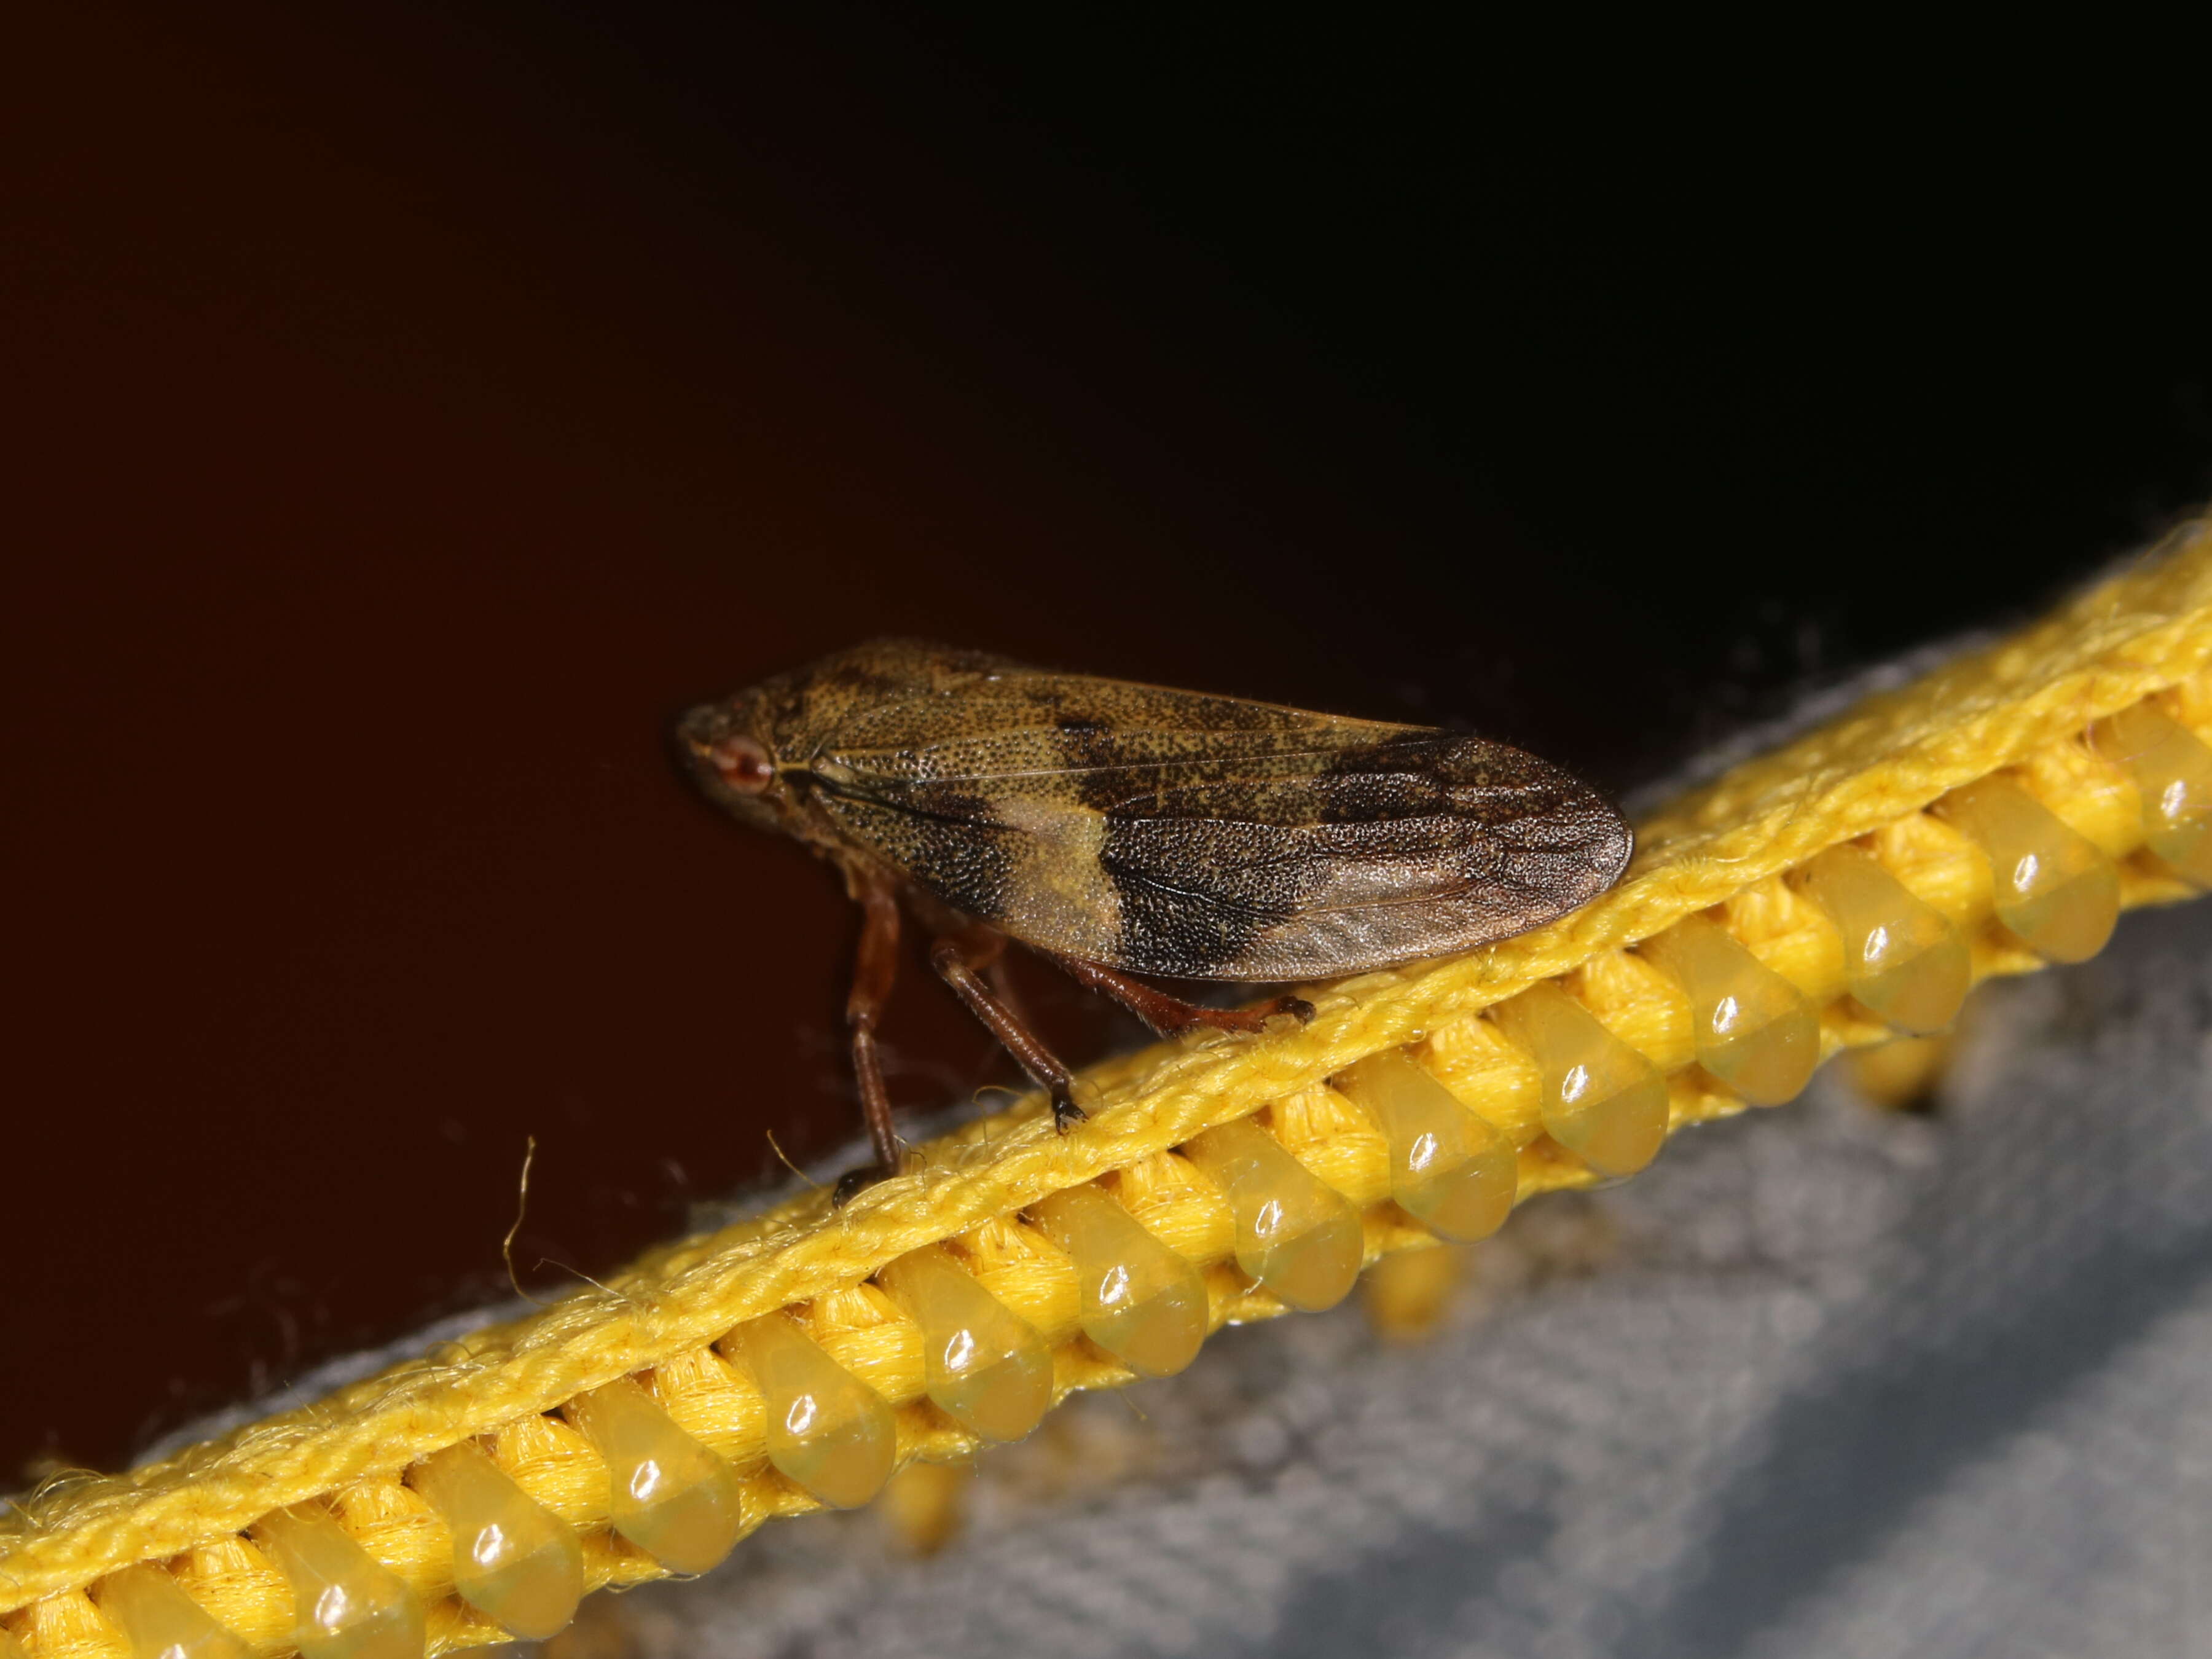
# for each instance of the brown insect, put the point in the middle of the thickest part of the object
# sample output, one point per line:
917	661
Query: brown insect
1120	829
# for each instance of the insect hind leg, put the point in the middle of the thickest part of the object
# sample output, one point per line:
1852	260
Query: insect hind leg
1170	1016
961	960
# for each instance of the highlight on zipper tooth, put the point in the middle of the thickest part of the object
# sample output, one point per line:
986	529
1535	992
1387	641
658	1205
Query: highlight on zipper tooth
513	1560
985	1368
828	1433
346	1604
159	1621
1142	1302
1753	1030
1448	1168
1902	958
1296	1236
667	1494
2171	769
2056	893
1602	1100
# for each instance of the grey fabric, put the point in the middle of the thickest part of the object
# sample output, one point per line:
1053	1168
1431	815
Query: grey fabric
1846	1385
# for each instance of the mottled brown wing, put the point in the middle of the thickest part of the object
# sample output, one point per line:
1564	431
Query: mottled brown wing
1169	832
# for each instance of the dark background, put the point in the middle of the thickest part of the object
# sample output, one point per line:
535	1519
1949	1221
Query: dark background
407	415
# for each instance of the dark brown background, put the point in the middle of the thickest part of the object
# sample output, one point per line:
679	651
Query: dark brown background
407	415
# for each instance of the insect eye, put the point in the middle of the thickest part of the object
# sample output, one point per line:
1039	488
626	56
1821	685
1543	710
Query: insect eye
742	765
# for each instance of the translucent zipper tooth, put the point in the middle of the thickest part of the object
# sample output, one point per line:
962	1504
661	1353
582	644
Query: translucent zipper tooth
1602	1101
1449	1169
1142	1302
513	1559
1294	1235
160	1620
2172	772
1753	1030
829	1433
986	1368
2054	889
1902	958
667	1494
346	1604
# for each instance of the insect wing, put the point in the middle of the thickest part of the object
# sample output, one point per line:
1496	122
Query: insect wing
1173	833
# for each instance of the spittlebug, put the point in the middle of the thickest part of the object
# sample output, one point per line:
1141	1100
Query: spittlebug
1121	829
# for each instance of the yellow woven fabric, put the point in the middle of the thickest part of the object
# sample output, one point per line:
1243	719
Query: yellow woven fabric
2023	704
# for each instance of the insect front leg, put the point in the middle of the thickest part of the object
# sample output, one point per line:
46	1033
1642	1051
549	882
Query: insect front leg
1170	1016
961	959
874	969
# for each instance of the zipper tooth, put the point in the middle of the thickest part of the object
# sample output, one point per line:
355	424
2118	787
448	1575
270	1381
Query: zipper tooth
1331	1154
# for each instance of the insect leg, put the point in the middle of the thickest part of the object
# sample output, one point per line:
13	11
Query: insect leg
874	969
959	959
1002	987
1170	1015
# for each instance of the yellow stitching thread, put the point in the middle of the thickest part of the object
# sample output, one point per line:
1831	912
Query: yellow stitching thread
1736	851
